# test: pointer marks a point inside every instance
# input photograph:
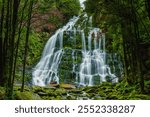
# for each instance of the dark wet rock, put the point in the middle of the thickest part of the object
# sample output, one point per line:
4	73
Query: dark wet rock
42	94
53	82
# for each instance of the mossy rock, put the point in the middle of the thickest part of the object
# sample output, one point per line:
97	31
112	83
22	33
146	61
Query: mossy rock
140	96
133	98
90	95
49	90
2	93
70	97
38	89
90	89
98	98
58	98
48	97
63	97
76	91
18	88
147	86
102	93
122	97
112	96
27	88
60	91
105	87
128	90
36	97
42	94
44	91
26	96
108	90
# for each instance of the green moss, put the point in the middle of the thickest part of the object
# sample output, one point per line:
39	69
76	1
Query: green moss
58	98
26	96
60	91
104	91
38	89
139	96
70	97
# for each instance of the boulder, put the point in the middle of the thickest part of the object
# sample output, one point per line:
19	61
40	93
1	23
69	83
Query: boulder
67	86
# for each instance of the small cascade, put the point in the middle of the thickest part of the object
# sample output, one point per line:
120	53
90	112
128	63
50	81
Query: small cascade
76	54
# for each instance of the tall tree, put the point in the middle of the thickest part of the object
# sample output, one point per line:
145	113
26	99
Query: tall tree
26	43
147	3
1	43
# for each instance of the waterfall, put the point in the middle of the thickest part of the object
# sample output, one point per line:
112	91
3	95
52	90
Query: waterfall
46	70
90	70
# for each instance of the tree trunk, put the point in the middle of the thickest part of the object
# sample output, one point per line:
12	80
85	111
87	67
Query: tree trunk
18	41
2	80
26	43
148	7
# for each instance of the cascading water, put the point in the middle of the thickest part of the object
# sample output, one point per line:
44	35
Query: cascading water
92	67
47	68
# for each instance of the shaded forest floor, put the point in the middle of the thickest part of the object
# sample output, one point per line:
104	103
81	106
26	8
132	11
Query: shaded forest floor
104	91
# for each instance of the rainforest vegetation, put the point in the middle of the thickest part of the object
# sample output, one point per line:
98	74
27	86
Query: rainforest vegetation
26	25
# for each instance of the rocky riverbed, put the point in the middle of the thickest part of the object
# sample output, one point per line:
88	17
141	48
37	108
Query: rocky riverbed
104	91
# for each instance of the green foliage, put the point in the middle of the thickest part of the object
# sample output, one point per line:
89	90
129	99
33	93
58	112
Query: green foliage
36	44
107	20
55	20
46	5
68	7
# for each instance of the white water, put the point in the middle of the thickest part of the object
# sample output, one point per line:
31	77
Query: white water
94	60
81	3
93	65
46	70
